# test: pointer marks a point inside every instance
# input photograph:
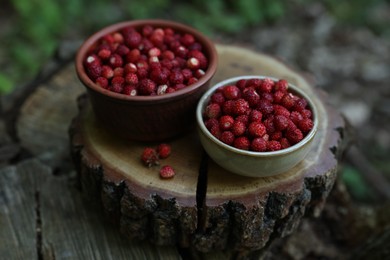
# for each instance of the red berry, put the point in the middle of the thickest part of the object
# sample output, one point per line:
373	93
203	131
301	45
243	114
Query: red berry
276	135
133	55
231	92
215	131
176	77
238	128
267	85
203	62
259	145
102	82
167	172
193	63
255	116
265	107
226	122
187	39
300	104
149	157
104	54
227	107
122	50
118	72
256	129
243	118
241	84
242	143
227	137
294	135
218	98
281	85
288	101
131	78
132	39
306	113
129	90
147	87
213	110
94	71
163	150
273	145
253	83
117	84
280	122
209	123
305	125
278	95
281	110
115	60
296	117
107	72
240	107
284	143
250	95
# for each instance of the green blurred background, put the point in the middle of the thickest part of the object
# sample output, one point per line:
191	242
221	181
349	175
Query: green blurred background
32	29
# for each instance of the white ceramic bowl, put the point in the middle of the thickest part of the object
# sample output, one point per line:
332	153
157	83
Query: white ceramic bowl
250	163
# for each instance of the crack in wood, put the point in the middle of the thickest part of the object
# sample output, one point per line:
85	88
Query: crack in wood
201	191
38	225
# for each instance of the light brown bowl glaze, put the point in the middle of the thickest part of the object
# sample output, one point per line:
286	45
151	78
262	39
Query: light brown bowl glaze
147	118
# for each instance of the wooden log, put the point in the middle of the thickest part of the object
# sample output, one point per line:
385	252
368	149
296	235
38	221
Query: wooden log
44	217
205	207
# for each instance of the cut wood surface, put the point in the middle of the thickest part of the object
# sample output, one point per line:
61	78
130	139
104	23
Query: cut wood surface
205	207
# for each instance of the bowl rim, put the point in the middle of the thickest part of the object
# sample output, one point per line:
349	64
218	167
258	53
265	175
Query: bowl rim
206	96
205	41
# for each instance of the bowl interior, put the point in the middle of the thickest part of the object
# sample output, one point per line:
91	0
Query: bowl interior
292	88
208	49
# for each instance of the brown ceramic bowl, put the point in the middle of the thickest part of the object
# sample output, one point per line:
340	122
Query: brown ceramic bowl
147	118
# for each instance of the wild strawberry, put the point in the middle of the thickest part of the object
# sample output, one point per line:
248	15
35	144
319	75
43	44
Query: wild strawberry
176	77
250	95
306	113
149	157
199	73
218	98
145	45
146	87
278	95
267	85
241	84
160	76
231	92
163	150
92	60
131	79
115	60
195	46
187	39
129	90
181	51
284	143
167	172
242	143
265	107
226	122
305	125
273	145
118	72
133	55
147	30
227	107
253	83
179	86
130	68
300	104
211	122
193	63
142	73
281	85
295	116
213	110
94	71
294	135
215	131
104	54
238	128
243	118
255	116
102	82
187	74
256	129
227	137
288	101
269	125
162	89
132	39
276	135
259	145
281	110
280	122
154	52
118	37
117	84
168	54
240	107
191	81
267	96
203	62
122	50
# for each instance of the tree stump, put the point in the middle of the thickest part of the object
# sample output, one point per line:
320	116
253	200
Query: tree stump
205	207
